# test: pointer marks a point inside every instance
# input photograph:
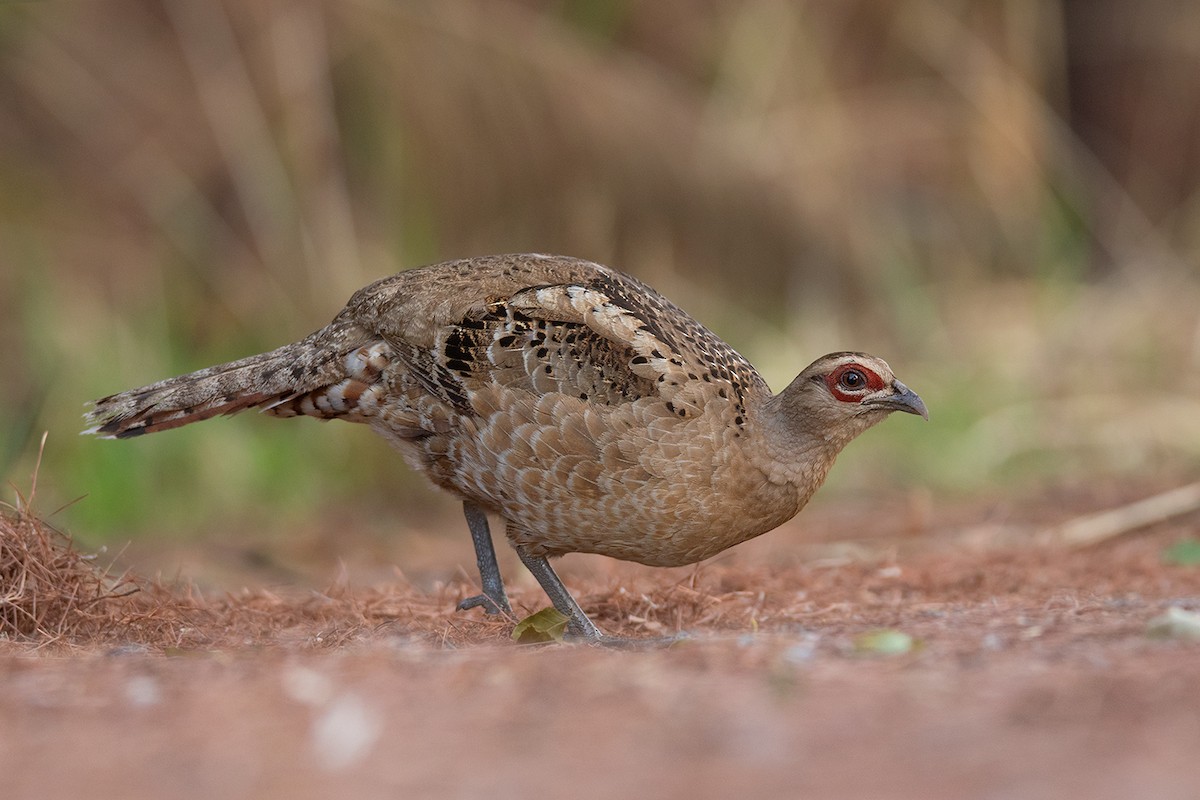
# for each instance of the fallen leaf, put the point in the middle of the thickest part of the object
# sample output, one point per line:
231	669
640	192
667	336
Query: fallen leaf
1184	553
885	642
547	625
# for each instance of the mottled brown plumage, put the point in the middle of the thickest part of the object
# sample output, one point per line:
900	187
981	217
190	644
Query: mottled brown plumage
575	402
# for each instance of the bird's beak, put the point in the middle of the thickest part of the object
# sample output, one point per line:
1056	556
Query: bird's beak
901	398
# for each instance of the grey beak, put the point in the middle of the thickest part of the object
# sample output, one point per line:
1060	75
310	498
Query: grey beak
902	399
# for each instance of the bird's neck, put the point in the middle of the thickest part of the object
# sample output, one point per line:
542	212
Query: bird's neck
797	454
799	443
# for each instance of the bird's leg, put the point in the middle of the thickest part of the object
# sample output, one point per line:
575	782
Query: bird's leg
579	625
493	599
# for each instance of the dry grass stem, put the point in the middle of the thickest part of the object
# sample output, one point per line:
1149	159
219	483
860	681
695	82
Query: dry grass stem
1094	528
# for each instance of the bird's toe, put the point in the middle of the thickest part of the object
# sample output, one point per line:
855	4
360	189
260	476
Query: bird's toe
489	604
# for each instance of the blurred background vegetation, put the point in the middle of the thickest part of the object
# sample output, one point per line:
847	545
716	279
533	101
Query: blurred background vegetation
1000	198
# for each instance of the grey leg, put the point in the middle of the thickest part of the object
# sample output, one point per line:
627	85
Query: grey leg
494	599
579	625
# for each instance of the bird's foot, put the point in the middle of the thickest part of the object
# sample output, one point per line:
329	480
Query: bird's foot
583	630
489	604
652	643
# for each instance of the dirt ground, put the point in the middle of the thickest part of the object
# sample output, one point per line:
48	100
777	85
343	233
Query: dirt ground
1030	675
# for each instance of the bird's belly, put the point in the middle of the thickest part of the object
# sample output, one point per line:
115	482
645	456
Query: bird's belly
623	483
667	522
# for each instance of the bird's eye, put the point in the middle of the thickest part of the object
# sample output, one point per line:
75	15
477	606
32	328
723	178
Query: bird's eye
852	379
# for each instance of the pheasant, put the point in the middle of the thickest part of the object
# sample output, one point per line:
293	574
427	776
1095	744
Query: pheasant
571	400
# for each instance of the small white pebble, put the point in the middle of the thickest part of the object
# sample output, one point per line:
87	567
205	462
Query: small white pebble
142	691
306	686
1175	623
344	733
802	651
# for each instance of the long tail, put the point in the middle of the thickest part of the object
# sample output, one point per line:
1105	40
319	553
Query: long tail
262	381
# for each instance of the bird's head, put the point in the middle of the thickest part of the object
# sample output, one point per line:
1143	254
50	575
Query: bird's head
857	384
840	395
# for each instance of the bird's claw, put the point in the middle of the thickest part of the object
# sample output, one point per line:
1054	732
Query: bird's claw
488	604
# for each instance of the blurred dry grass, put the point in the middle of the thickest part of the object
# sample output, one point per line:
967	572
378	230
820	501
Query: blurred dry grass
1000	198
51	592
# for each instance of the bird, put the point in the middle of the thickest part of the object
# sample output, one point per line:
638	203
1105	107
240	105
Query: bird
569	399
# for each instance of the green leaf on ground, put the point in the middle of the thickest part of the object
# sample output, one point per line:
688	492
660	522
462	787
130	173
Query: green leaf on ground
1184	553
885	642
547	625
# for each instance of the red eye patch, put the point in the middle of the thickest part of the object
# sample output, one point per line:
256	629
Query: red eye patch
850	382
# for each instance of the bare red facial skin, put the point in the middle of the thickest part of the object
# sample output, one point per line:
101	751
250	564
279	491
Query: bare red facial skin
834	382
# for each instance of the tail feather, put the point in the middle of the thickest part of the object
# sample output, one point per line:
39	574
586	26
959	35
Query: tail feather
258	381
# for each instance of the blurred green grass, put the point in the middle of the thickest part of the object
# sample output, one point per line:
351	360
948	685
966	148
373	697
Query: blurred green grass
183	184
